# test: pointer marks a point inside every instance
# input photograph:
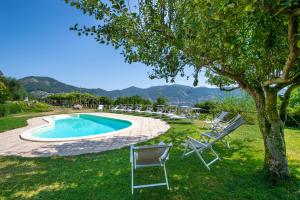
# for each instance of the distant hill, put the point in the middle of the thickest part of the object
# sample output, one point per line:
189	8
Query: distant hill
177	94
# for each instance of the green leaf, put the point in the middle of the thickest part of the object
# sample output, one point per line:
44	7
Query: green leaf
298	44
248	8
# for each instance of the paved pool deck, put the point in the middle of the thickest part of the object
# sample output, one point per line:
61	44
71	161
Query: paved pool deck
145	128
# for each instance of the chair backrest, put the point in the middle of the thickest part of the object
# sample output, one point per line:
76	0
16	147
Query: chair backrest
100	107
160	108
138	107
149	108
235	123
151	155
173	109
220	117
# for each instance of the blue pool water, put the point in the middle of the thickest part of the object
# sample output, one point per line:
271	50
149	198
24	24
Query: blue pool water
83	125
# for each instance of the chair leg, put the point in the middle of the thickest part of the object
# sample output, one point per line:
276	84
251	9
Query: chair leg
201	158
217	155
132	183
186	148
166	176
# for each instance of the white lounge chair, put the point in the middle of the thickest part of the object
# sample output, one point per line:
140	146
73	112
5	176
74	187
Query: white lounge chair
214	123
148	110
195	146
215	133
196	112
159	110
129	108
172	110
149	156
174	116
122	108
138	108
100	107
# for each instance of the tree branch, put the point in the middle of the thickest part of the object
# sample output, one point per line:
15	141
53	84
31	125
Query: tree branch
228	89
290	62
293	49
281	83
285	100
283	10
237	77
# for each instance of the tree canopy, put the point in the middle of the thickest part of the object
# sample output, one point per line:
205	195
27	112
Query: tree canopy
252	44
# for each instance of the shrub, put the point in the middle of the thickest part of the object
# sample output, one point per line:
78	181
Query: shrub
242	105
20	107
206	106
3	93
3	110
15	88
293	118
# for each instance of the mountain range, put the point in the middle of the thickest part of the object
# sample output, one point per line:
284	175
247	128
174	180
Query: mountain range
176	94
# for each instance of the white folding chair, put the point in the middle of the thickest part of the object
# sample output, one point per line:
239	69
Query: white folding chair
149	156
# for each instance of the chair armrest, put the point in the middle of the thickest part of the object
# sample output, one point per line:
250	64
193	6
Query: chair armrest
131	153
165	155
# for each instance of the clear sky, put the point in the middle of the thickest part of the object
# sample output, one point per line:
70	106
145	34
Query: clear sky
35	40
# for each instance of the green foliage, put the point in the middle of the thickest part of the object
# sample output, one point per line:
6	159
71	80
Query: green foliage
16	90
4	93
245	38
161	101
85	99
293	118
243	105
22	107
206	106
250	44
134	100
92	101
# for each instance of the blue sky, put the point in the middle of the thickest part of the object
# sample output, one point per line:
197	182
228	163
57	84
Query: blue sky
35	40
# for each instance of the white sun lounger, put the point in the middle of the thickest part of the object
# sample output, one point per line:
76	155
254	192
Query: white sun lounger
100	107
195	146
217	120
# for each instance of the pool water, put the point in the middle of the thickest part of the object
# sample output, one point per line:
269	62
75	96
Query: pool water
81	126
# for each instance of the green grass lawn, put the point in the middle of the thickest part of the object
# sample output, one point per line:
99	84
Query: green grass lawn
107	175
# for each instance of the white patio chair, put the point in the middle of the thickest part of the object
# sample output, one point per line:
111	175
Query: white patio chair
149	156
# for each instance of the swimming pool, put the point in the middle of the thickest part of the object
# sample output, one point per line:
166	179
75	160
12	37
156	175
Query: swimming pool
78	126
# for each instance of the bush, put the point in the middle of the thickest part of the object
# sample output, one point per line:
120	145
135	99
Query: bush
3	110
3	92
293	118
242	105
206	106
15	89
20	107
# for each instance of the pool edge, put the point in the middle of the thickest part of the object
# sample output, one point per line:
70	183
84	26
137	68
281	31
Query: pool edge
27	135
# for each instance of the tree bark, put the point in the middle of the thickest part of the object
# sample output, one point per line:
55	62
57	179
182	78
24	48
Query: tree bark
272	129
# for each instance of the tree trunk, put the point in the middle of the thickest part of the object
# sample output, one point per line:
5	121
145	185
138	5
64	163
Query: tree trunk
272	129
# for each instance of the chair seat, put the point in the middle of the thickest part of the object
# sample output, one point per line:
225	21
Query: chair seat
149	156
197	144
